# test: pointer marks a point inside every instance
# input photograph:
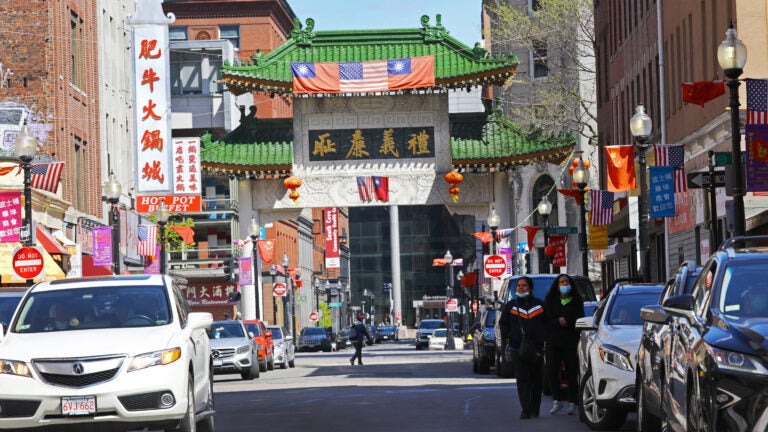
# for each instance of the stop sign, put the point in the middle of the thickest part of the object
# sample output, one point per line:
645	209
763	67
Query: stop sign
451	305
495	265
314	316
27	262
279	289
474	305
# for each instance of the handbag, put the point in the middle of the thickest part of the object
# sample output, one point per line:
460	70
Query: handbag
528	351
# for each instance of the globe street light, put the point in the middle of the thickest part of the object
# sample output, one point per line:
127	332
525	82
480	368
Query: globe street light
273	273
581	178
255	231
732	55
493	225
449	343
292	294
316	284
545	209
26	147
162	214
641	126
112	191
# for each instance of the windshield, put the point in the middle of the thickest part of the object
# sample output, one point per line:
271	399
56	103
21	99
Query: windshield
254	328
626	308
93	308
276	332
744	291
388	328
439	333
313	331
431	325
490	319
223	330
7	306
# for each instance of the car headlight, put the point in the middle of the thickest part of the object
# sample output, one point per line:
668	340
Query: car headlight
279	345
736	361
243	349
12	367
616	357
156	358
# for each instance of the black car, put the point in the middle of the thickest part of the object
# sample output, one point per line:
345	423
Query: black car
484	343
654	346
314	339
541	284
716	365
388	333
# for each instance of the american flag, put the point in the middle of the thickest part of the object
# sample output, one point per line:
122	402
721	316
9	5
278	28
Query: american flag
757	101
46	176
674	156
147	240
369	76
602	207
365	188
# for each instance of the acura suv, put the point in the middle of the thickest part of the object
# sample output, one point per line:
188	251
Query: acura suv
716	364
121	350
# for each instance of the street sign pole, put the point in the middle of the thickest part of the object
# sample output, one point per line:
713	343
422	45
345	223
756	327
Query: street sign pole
713	237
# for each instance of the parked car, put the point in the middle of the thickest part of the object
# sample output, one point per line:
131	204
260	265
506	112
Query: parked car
233	349
716	364
607	348
654	345
314	339
118	351
375	334
342	339
265	347
541	283
425	330
484	343
389	333
8	302
285	349
440	338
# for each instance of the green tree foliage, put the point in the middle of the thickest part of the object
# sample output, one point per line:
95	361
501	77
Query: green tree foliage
326	320
173	240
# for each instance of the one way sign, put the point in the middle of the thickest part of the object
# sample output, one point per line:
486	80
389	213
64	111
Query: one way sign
699	180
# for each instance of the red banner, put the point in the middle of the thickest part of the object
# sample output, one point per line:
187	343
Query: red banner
331	230
558	241
266	250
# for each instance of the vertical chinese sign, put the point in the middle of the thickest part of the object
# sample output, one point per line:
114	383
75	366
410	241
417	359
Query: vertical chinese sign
10	215
331	229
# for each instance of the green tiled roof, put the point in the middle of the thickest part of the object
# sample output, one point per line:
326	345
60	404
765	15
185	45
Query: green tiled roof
456	65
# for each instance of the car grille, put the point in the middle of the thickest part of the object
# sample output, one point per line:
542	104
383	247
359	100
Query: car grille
143	401
79	372
80	380
223	353
17	408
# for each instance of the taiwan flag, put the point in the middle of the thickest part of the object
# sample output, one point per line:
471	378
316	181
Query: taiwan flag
381	188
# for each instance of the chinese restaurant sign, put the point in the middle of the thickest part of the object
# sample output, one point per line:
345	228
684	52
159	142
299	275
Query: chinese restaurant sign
10	215
209	293
367	144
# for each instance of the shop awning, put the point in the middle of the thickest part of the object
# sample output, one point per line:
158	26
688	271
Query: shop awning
49	242
51	270
93	270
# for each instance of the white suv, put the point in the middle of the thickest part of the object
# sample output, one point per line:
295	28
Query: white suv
124	350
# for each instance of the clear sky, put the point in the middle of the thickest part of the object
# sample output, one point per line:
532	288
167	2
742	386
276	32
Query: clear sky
460	17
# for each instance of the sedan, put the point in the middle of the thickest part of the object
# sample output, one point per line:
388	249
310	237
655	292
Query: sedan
388	333
439	339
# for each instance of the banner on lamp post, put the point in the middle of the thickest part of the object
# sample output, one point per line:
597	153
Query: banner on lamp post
102	246
10	215
558	241
246	271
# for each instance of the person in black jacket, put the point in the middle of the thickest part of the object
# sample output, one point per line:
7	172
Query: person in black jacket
564	306
527	315
357	341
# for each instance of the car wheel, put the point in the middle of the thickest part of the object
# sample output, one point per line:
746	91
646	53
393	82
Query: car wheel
645	420
188	422
484	366
595	417
271	363
292	362
695	421
498	365
474	365
206	424
263	366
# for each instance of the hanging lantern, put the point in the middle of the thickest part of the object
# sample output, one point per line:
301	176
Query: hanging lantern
550	250
453	178
293	183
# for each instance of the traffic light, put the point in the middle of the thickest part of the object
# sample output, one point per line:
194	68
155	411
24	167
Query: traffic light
230	274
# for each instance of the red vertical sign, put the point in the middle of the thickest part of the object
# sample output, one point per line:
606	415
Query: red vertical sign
558	241
331	230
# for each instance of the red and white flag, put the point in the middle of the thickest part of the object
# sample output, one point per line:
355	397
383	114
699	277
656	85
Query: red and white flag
674	156
147	240
46	176
602	207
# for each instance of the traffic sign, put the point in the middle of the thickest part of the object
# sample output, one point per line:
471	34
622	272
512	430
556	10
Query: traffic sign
495	265
279	290
723	158
27	262
701	180
451	305
474	306
334	304
562	230
301	299
314	316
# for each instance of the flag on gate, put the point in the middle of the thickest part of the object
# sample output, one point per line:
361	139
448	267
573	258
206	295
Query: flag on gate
361	77
365	188
46	176
381	187
757	101
147	240
602	207
674	156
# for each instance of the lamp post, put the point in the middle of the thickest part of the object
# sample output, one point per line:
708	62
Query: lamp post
292	294
112	191
463	303
581	178
162	214
449	343
273	273
732	55
545	209
493	225
26	147
641	126
256	269
316	284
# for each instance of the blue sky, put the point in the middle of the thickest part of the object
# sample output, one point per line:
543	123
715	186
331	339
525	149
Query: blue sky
460	17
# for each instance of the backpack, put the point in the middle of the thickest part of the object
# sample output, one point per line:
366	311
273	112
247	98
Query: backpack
353	333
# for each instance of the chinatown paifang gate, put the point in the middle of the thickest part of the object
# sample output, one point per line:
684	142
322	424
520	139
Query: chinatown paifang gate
373	103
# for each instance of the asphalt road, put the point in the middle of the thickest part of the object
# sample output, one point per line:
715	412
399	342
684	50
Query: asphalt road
398	389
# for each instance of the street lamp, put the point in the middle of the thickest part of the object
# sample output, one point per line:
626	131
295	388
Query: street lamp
641	126
272	274
493	224
316	284
162	214
463	303
292	294
545	209
256	270
112	191
449	343
26	147
732	55
581	178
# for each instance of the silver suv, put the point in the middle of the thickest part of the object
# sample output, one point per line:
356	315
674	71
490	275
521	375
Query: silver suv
233	350
425	330
285	350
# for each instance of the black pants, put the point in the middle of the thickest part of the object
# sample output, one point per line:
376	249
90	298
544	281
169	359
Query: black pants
559	352
358	352
529	379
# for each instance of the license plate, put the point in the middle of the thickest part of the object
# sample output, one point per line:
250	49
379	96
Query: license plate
218	362
77	406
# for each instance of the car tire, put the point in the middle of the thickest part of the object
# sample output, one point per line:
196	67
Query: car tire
187	424
263	366
484	366
646	421
694	418
271	363
475	368
292	362
593	416
251	373
207	424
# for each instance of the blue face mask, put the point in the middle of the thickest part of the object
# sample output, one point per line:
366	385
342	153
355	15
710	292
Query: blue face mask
565	289
523	295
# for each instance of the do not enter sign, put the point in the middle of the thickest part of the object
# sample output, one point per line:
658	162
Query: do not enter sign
314	316
451	305
279	290
495	266
27	262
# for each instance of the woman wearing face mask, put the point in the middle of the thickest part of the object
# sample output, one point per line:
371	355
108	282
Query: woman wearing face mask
564	306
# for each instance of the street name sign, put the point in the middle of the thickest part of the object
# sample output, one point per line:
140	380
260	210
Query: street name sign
562	230
702	180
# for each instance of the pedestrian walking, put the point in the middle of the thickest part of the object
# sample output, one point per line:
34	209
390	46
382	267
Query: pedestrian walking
358	333
523	323
564	306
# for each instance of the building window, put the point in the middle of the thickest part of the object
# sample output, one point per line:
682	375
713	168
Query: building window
177	33
539	59
76	42
230	33
185	73
81	170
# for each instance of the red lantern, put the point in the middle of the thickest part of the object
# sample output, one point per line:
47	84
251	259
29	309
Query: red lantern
453	178
550	250
293	183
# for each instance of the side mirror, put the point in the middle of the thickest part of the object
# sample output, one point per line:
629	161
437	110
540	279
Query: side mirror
585	323
654	314
268	334
680	305
289	338
200	320
251	334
